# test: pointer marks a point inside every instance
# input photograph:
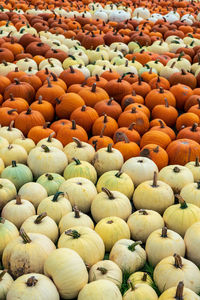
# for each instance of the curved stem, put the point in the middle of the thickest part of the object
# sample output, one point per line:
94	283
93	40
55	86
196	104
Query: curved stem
108	193
93	89
49	140
73	124
144	278
29	110
164	232
178	261
73	233
118	174
143	212
24	236
102	270
76	212
194	127
78	142
77	161
183	204
197	162
161	124
132	246
39	218
179	291
56	196
131	126
45	148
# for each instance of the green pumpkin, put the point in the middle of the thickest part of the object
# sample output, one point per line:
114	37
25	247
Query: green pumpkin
51	182
79	168
116	181
18	174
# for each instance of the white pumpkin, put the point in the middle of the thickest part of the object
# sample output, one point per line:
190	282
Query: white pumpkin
81	150
10	133
191	193
194	167
33	192
180	293
192	242
7	191
13	152
5	283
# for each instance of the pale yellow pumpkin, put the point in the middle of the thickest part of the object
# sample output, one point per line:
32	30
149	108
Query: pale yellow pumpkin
140	277
3	142
27	253
8	232
26	143
191	193
143	222
56	206
10	133
33	286
83	151
140	291
128	255
110	203
154	195
2	165
33	192
80	192
17	211
180	293
172	269
7	191
5	283
192	242
106	269
75	218
100	289
111	230
85	241
180	217
50	141
13	152
68	272
42	224
194	167
162	243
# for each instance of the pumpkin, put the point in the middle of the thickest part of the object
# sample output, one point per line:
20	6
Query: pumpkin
140	107
176	176
179	217
177	269
56	206
81	192
110	128
109	107
116	181
140	291
95	290
4	83
132	98
33	192
55	126
72	76
190	193
3	142
84	116
58	265
51	182
27	253
38	133
181	92
66	133
20	89
45	108
18	174
192	133
50	141
157	137
7	191
7	115
83	151
118	88
66	104
100	141
106	269
160	193
107	159
179	292
141	88
139	169
8	232
191	234
79	168
166	112
31	285
155	153
111	230
5	283
13	152
187	119
32	79
159	96
130	132
75	218
81	238
165	129
26	143
53	160
50	92
128	149
19	104
183	77
167	241
191	104
140	277
143	222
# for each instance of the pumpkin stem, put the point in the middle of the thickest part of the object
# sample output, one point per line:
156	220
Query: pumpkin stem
109	148
71	69
197	162
18	200
11	111
176	169
139	80
183	72
93	89
161	124
166	103
49	140
178	261
49	176
39	219
194	127
133	245
183	204
102	131
78	142
180	56
164	232
56	196
45	148
24	236
97	77
55	78
179	291
145	152
76	212
29	110
131	126
143	212
2	274
40	100
14	164
83	108
110	101
73	233
105	119
73	124
46	125
155	180
118	174
77	161
156	150
161	90
108	193
16	80
46	71
144	278
102	270
49	83
32	281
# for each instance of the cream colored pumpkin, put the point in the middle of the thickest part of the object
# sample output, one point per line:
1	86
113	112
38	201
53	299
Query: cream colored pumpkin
116	181
83	151
176	176
80	192
128	255
2	166
79	168
50	141
85	241
110	203
172	269
140	291
100	289
194	167
106	269
33	286
143	222
7	191
13	152
154	195
107	159
180	217
111	230
26	143
56	206
8	232
3	142
68	272
17	211
75	218
140	277
27	253
5	283
191	193
42	224
180	293
10	133
192	243
140	169
46	160
162	243
33	192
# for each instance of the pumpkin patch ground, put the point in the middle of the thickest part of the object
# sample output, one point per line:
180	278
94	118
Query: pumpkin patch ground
99	150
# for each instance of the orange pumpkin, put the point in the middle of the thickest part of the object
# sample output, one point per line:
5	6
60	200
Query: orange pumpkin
72	76
140	107
183	77
192	133
100	81
4	82
156	122
181	92
159	138
165	129
20	89
100	141
55	126
50	92
158	82
7	114
85	116
128	149
118	88
192	100
16	74
110	75
130	132
109	107
195	108
38	133
141	88
93	95
155	153
17	103
33	80
166	112
111	126
186	119
45	108
158	96
67	103
129	99
57	81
